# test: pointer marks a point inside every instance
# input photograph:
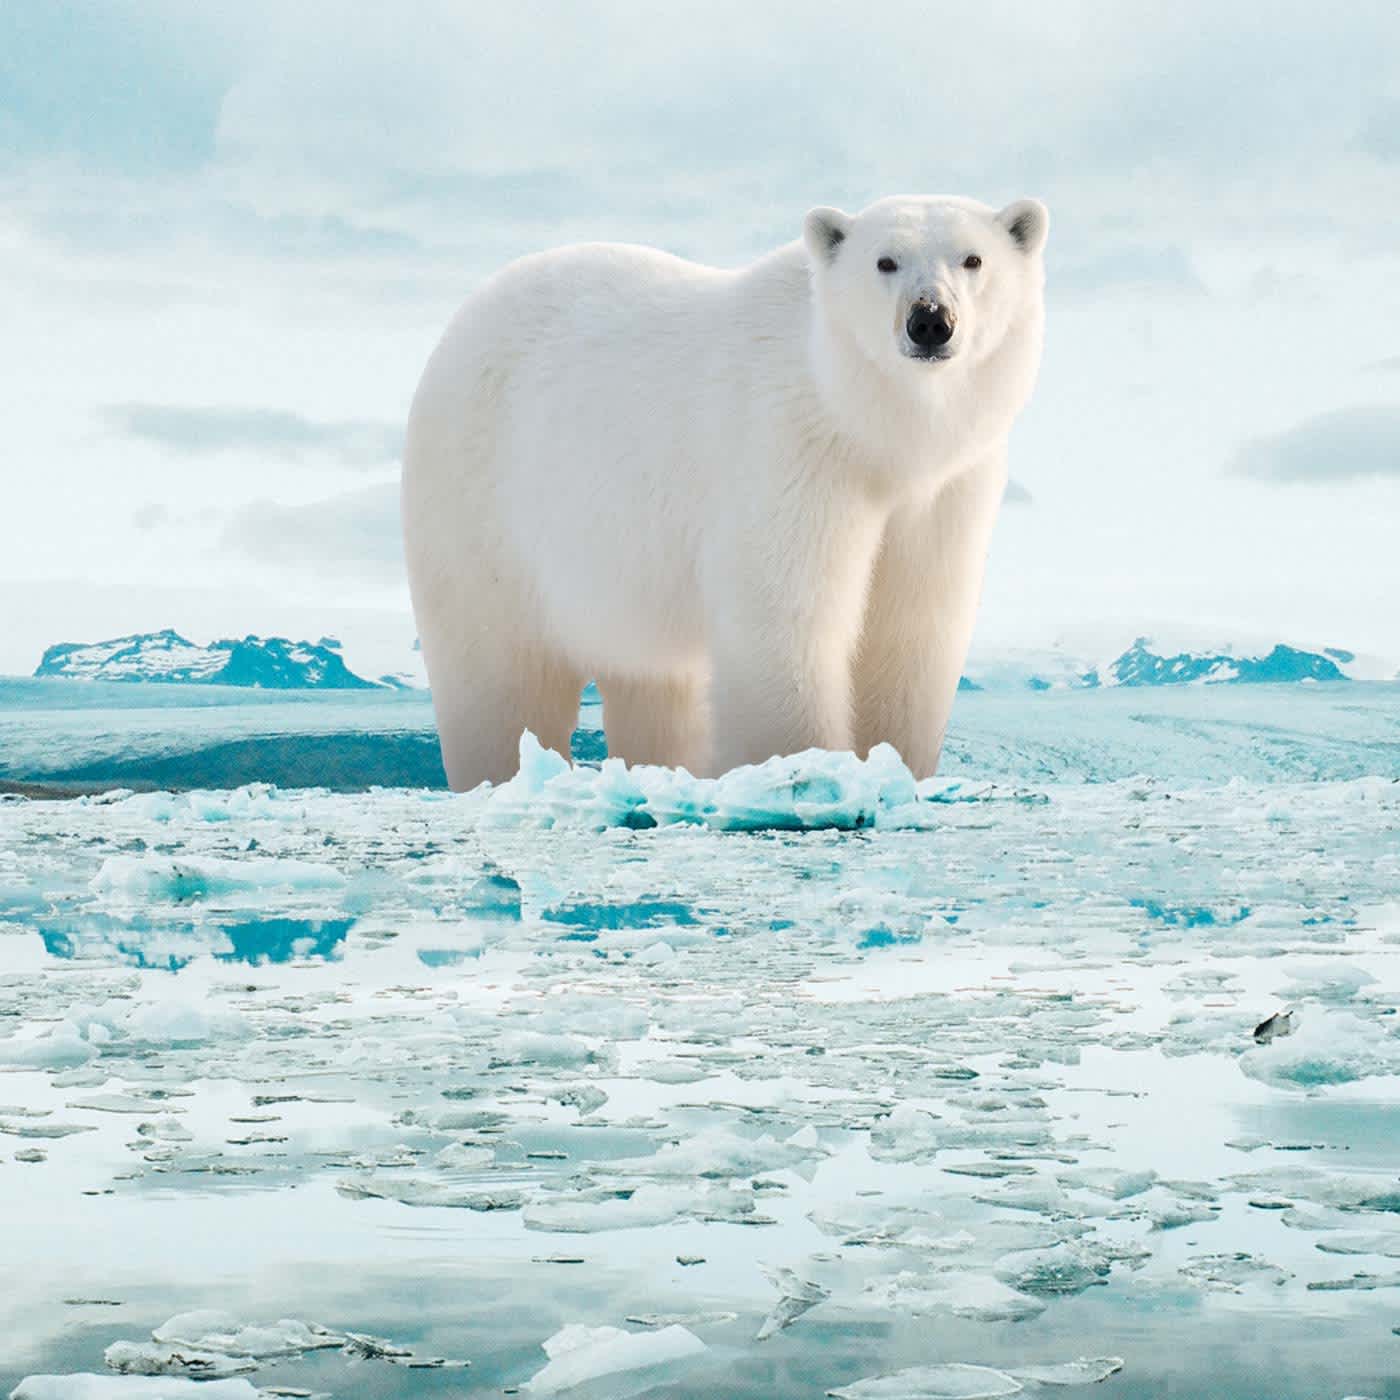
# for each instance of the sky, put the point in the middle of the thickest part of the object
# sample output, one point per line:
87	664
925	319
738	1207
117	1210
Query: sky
230	234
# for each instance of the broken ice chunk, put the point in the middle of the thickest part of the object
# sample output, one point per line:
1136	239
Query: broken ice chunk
1086	1370
208	1329
422	1191
1332	1047
795	1297
814	790
86	1386
907	1133
146	877
948	1381
1228	1273
156	1359
978	1297
1061	1269
578	1353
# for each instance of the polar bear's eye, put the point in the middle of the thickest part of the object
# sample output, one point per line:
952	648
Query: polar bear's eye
972	262
887	265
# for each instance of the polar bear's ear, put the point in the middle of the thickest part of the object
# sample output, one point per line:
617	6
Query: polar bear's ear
823	231
1028	222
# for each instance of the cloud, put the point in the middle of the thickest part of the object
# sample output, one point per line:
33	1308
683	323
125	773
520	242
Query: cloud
357	531
1350	444
268	431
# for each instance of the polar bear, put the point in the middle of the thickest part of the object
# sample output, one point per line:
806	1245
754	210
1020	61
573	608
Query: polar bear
754	504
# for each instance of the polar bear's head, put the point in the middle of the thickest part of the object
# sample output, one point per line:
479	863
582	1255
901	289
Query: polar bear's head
919	282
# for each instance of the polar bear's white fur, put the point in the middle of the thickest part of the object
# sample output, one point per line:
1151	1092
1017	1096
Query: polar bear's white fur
754	504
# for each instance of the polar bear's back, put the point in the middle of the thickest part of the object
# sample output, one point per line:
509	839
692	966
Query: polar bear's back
612	384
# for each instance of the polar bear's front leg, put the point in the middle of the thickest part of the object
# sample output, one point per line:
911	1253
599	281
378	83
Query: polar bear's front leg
923	604
788	600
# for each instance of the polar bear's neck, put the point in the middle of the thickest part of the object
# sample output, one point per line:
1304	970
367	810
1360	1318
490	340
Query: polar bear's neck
912	433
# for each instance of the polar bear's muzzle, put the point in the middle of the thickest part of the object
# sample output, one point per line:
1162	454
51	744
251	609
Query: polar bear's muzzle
929	328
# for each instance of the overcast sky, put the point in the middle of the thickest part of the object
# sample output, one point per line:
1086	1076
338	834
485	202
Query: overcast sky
231	233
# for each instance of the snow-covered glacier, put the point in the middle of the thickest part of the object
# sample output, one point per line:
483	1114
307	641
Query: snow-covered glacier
1076	1066
167	658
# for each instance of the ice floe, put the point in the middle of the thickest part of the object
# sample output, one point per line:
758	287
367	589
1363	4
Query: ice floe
578	1354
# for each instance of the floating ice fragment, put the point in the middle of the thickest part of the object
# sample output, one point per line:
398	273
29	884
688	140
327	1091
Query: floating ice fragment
165	1129
86	1386
1109	1181
978	1297
422	1191
1333	1047
578	1353
1385	1243
1087	1370
58	1048
795	1296
1357	1282
1179	1213
208	1329
1061	1269
155	1359
719	1153
1330	981
458	1157
690	1319
44	1130
586	1212
1228	1273
949	1381
150	877
533	1048
907	1133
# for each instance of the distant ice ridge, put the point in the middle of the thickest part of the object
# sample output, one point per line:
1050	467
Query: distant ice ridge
810	791
1170	657
269	663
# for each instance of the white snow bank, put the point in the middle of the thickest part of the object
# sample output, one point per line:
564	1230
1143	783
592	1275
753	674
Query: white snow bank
578	1354
89	1387
140	878
807	791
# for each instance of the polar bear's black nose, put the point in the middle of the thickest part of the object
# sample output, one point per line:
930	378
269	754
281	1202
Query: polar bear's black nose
929	326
